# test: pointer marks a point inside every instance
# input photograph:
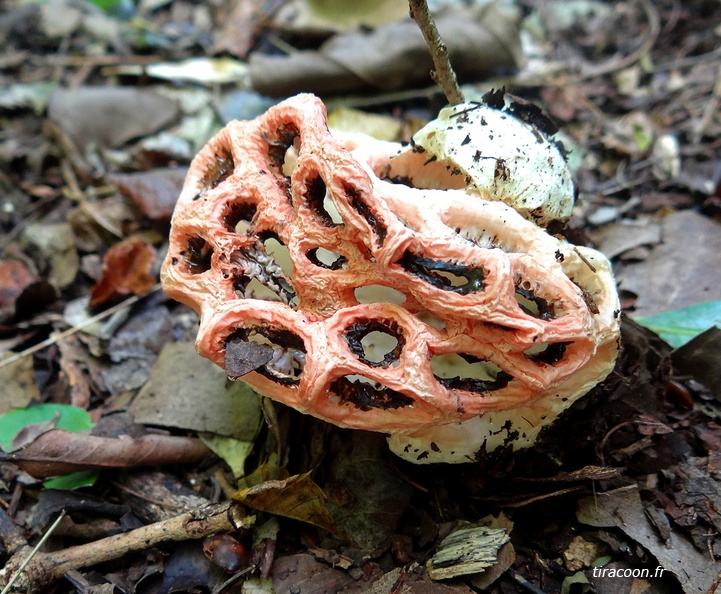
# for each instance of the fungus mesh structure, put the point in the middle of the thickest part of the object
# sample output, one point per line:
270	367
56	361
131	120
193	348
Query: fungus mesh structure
329	284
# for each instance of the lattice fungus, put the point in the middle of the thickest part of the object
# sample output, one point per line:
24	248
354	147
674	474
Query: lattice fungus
396	289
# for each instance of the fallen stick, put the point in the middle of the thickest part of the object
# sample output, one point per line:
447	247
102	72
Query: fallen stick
45	568
443	74
32	553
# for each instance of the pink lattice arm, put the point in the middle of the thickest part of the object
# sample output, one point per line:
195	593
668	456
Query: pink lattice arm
331	284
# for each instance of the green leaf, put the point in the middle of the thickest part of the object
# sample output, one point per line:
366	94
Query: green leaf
577	578
233	451
106	5
643	139
70	418
74	480
601	561
679	326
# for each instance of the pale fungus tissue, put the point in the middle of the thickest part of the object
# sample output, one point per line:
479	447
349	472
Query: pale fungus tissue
406	290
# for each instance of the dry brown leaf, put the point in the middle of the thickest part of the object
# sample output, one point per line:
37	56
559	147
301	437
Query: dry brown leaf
238	32
681	270
296	497
154	192
414	581
319	17
61	452
53	249
126	271
623	509
393	56
98	223
109	116
303	573
624	235
74	363
14	277
19	384
178	379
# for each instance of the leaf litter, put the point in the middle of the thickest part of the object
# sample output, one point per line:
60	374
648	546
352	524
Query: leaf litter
633	469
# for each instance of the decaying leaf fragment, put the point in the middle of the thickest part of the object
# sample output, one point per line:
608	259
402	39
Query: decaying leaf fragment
623	509
392	292
296	497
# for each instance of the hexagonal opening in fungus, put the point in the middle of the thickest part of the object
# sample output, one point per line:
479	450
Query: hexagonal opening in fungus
461	371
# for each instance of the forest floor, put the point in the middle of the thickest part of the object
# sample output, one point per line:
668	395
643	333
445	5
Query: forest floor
101	112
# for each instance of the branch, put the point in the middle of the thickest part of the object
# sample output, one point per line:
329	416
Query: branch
45	568
443	73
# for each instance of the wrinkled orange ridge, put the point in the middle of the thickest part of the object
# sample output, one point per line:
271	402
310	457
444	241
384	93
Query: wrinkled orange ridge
469	279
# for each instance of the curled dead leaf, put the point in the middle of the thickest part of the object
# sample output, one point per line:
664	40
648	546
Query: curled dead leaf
58	452
126	271
14	277
297	497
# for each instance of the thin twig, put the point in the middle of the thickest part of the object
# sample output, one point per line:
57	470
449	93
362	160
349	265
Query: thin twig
32	554
523	582
233	578
363	101
443	73
70	331
654	30
588	71
709	112
104	60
